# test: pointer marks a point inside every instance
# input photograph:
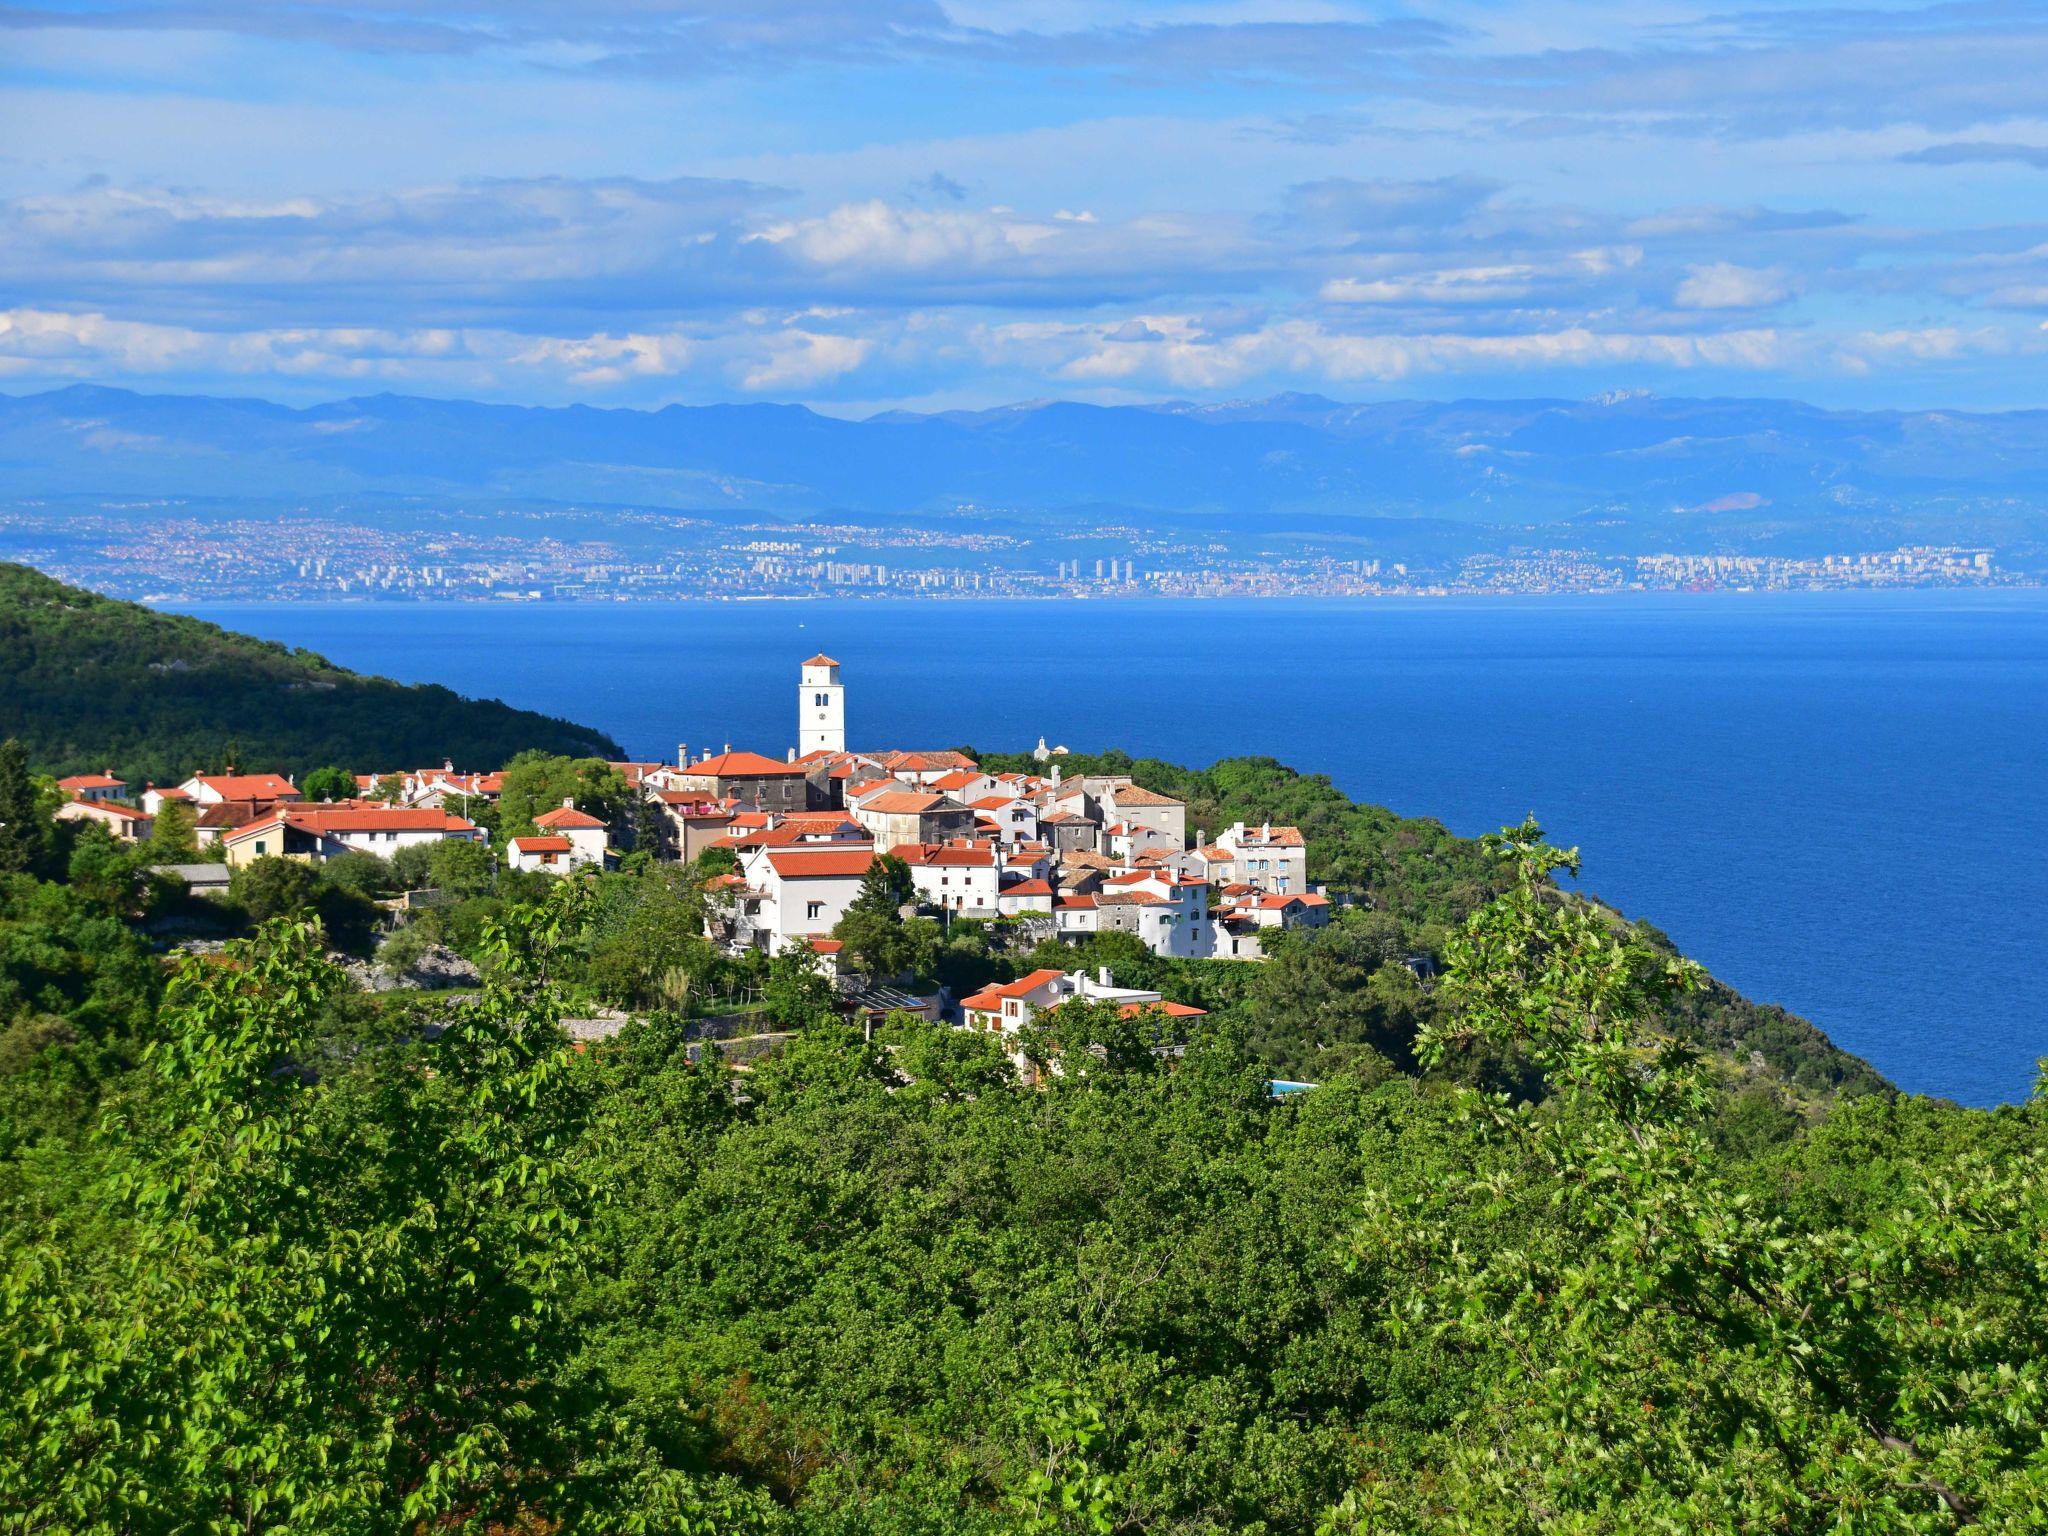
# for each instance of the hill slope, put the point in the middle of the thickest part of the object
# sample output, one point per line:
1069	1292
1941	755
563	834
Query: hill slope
95	683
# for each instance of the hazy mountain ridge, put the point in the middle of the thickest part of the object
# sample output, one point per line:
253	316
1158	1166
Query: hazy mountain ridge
1480	460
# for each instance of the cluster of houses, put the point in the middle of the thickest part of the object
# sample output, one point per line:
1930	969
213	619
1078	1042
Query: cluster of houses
1072	855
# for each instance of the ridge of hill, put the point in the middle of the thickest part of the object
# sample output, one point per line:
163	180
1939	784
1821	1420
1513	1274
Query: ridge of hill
94	682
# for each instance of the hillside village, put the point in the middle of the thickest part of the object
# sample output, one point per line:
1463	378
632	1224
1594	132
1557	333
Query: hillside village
1049	855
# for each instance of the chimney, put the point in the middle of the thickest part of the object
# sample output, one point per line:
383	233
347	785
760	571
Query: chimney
682	754
728	746
792	754
1102	975
1265	832
568	802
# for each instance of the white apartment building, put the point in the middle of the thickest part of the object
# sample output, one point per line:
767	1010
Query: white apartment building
793	895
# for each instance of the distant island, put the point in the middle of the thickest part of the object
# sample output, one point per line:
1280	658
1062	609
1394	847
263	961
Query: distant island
390	497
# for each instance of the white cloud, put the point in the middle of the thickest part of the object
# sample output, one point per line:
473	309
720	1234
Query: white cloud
804	359
1724	285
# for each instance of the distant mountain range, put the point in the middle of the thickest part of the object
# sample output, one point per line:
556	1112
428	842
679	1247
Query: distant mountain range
1481	461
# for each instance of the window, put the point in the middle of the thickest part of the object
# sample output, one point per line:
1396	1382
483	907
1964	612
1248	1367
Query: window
814	910
261	846
821	701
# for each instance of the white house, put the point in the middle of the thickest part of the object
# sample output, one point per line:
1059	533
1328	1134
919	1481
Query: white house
1014	818
220	788
793	895
1269	857
1126	802
960	877
588	837
316	833
1168	913
93	787
124	822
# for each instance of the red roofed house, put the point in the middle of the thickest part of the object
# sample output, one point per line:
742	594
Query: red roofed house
563	839
218	788
1008	1008
315	834
962	877
748	776
1270	857
1016	818
545	854
794	895
894	817
1163	814
924	768
93	786
125	822
1021	898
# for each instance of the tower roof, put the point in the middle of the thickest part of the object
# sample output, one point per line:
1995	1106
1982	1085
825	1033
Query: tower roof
821	660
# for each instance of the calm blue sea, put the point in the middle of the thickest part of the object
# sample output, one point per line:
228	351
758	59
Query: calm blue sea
1836	801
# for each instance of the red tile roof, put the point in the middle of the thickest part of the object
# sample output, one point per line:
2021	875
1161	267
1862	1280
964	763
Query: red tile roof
91	781
947	855
248	786
1171	1010
1131	794
991	998
802	864
329	820
819	660
567	816
112	808
1028	888
904	802
740	765
541	844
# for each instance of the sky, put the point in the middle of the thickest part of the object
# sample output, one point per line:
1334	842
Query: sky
935	204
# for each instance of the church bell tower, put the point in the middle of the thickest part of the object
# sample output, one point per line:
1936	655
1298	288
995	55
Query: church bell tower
820	708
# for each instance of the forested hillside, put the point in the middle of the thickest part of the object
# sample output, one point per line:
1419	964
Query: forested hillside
281	1254
93	683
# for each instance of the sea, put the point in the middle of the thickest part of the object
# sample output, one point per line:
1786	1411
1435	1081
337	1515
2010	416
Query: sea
1836	801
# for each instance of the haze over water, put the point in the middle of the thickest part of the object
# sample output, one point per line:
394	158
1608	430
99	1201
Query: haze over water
1835	801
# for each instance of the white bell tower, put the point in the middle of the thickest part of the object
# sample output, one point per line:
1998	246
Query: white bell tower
820	708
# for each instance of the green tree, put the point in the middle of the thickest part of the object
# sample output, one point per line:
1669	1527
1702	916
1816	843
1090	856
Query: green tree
275	887
361	872
536	783
872	928
341	1293
461	867
174	835
24	829
328	784
796	990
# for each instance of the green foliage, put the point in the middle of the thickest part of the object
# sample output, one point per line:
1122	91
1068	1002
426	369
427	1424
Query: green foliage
1543	1254
92	681
174	835
873	929
538	782
271	888
329	783
25	832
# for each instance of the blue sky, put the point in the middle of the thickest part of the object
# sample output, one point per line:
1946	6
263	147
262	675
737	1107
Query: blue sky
929	204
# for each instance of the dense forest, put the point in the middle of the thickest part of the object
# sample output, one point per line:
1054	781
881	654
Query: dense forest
93	683
1553	1247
